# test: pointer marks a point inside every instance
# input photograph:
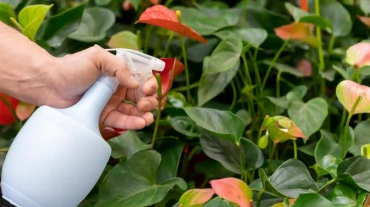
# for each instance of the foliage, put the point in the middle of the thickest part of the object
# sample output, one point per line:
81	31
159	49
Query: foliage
261	103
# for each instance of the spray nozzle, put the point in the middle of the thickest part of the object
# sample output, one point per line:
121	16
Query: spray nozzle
140	65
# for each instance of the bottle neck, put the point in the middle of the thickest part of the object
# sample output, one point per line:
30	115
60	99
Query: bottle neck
88	110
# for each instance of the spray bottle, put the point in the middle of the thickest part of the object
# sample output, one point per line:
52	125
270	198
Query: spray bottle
59	154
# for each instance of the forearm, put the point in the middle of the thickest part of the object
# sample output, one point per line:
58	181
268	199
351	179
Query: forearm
24	66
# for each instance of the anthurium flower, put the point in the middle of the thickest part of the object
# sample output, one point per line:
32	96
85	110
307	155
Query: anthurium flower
109	132
195	197
358	54
365	20
304	5
305	67
172	69
299	31
6	115
162	16
347	93
24	110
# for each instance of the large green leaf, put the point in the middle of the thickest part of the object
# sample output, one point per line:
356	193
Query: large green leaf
312	199
94	24
210	85
31	17
216	202
365	6
213	169
132	183
225	56
126	145
124	39
198	51
224	124
337	14
228	154
362	137
327	145
355	172
55	29
309	116
253	36
327	165
185	126
102	2
289	180
6	11
343	195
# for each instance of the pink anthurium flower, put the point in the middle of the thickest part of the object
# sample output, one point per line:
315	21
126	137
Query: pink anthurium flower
358	54
348	91
365	20
195	197
305	67
299	31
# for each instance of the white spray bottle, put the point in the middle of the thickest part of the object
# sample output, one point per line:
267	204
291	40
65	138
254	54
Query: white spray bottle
59	154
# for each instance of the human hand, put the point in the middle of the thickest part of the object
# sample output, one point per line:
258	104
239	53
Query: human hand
75	73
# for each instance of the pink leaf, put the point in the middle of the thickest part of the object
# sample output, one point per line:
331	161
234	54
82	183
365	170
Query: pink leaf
195	197
234	190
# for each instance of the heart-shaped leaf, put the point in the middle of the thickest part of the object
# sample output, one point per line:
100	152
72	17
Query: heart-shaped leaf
343	195
354	172
24	110
126	145
361	137
309	116
297	31
289	180
365	6
228	154
55	29
327	165
327	145
312	199
296	12
124	39
173	67
195	197
137	176
94	24
31	17
161	16
245	116
338	15
225	56
358	55
253	36
284	68
348	91
7	105
224	124
212	84
185	126
234	190
216	202
6	11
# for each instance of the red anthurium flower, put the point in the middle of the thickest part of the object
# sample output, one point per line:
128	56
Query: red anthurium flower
365	20
300	31
305	67
358	54
110	133
6	116
162	16
304	5
172	69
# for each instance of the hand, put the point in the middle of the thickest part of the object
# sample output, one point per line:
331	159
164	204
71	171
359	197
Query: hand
75	73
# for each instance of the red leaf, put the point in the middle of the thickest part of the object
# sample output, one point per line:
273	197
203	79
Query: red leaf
6	116
365	20
24	110
161	16
172	69
234	190
110	133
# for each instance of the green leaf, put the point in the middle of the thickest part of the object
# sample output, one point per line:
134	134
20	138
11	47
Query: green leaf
343	195
281	101
296	12
342	72
309	116
327	165
225	56
318	21
216	202
289	180
224	124
31	17
94	24
132	183
55	29
6	11
198	52
327	145
185	126
124	39
212	169
312	199
354	172
103	2
328	75
13	3
245	116
296	94
337	14
361	136
210	85
365	6
253	36
284	68
227	153
126	145
308	149
195	197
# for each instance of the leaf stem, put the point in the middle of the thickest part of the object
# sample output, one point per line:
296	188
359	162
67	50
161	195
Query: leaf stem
256	71
246	70
234	96
241	162
272	64
186	67
320	50
147	38
184	88
168	44
271	156
278	84
295	148
328	183
159	109
331	45
259	197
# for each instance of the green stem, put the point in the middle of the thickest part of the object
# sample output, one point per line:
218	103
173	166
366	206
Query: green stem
16	24
246	70
259	197
331	45
272	64
342	120
241	161
256	71
295	148
328	183
320	50
287	82
358	76
147	38
159	109
278	84
344	143
184	88
242	77
244	24
186	68
168	44
271	156
234	96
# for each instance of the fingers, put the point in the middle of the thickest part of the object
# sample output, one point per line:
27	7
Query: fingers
112	65
150	87
146	103
132	110
122	121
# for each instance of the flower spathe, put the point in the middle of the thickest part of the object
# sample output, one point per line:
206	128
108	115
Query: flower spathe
348	91
299	31
358	55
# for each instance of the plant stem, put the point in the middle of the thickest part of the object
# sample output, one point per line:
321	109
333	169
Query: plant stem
295	148
16	24
184	88
331	45
168	44
242	77
344	143
272	64
241	162
256	71
259	197
328	183
246	70
234	96
147	38
271	156
320	51
159	109
278	84
186	67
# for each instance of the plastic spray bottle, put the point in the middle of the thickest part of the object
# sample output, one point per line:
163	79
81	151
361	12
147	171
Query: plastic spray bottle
59	154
